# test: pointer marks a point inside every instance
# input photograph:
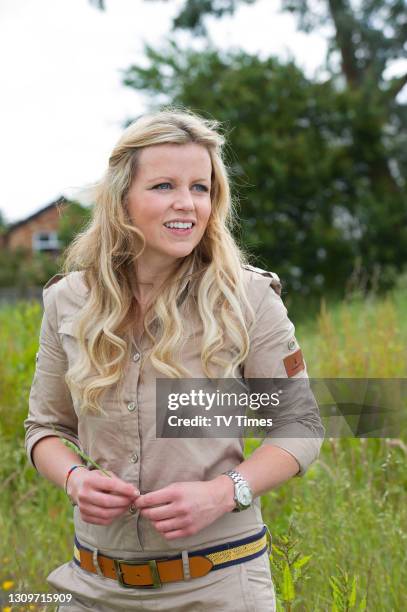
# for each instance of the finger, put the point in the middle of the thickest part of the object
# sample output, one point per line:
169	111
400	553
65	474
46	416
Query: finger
160	513
156	498
100	513
104	500
113	485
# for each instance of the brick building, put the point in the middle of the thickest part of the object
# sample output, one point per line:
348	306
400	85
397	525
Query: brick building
38	232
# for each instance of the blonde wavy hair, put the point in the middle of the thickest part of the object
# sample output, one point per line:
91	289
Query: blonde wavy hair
108	247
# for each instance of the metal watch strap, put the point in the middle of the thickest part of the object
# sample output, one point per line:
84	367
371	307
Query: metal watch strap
235	476
237	479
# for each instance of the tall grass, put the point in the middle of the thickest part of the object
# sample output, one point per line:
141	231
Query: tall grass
339	532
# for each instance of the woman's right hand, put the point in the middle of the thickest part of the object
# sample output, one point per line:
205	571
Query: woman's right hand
100	498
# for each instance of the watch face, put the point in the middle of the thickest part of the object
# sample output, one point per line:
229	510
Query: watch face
244	496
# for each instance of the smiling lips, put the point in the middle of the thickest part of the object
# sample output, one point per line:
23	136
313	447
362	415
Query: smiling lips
179	231
180	227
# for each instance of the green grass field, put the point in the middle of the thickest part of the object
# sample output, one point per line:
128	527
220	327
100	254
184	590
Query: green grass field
339	532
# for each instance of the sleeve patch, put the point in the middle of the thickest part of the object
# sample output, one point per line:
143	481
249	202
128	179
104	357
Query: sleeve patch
294	363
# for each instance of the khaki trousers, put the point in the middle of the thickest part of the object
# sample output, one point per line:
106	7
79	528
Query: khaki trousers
246	587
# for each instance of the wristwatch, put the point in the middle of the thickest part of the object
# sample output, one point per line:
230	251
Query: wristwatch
243	494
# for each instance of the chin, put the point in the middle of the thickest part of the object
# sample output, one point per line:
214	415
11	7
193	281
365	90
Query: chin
178	253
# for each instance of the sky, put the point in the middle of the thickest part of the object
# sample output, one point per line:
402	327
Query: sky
62	103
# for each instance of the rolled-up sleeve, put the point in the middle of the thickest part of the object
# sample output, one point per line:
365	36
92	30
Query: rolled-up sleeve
275	355
50	402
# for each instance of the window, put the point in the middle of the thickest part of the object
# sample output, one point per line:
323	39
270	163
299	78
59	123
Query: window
45	241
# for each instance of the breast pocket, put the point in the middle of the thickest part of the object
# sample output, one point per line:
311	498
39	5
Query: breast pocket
68	337
111	399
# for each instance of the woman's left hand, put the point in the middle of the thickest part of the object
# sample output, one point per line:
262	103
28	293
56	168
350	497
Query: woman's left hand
184	508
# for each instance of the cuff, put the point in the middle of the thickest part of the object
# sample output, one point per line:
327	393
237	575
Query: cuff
32	440
305	449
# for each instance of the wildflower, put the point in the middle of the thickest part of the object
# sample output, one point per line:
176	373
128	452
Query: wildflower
6	609
7	585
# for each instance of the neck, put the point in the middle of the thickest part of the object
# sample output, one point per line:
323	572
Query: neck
150	277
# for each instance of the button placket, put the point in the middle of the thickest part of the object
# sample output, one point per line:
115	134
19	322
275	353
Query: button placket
132	406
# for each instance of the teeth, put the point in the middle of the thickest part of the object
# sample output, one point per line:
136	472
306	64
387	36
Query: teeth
179	225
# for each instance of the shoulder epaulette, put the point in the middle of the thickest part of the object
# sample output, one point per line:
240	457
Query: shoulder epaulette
275	282
54	279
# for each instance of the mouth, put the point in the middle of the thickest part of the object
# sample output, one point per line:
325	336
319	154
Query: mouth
180	227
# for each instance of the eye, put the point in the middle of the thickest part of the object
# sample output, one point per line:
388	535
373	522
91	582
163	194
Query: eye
160	185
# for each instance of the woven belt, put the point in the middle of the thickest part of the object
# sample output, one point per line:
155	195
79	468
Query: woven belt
153	573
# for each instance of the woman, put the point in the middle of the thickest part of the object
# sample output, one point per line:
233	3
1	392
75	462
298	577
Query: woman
154	288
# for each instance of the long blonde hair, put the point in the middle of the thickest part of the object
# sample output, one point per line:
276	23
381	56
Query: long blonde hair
107	249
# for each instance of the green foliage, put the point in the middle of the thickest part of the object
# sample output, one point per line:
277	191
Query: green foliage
10	263
288	568
374	30
81	454
191	16
19	326
22	268
3	224
346	343
369	34
73	220
344	593
35	522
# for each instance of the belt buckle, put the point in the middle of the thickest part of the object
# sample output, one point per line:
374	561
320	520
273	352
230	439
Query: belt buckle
152	563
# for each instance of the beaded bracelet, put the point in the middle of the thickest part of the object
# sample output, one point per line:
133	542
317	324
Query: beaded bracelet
80	465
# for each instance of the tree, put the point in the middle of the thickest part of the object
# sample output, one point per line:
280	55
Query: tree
73	220
3	224
367	38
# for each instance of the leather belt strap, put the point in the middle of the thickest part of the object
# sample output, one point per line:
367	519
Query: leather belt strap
153	573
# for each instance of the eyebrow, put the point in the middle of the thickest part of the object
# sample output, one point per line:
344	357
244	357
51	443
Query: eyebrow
170	178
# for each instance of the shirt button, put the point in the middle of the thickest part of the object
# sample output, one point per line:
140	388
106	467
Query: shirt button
134	458
132	509
136	357
131	406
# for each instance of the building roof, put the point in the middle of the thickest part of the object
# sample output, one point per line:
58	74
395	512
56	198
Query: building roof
55	203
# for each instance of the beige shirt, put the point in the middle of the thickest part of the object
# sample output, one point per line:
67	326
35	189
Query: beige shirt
124	440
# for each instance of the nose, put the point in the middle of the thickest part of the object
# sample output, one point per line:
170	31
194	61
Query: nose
183	199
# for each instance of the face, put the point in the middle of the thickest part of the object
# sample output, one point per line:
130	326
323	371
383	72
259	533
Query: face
169	200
